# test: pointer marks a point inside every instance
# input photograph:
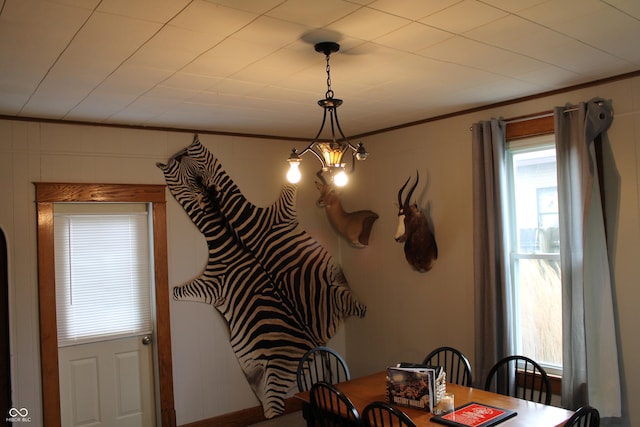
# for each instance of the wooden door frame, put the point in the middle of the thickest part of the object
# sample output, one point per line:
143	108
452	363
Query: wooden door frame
46	195
5	350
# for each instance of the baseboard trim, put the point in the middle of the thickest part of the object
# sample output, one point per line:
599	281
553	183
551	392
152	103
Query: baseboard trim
244	417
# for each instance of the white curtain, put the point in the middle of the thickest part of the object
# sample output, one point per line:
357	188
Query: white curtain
590	358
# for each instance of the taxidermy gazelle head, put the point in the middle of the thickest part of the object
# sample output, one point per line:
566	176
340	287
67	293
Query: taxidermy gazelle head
420	247
356	226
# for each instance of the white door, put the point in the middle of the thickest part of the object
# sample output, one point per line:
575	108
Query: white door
107	383
104	315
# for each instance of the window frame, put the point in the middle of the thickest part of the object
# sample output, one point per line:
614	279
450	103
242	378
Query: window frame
46	195
527	127
516	255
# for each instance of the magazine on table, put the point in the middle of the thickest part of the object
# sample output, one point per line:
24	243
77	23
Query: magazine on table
475	414
415	385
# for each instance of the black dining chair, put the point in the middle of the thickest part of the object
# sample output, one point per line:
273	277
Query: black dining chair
329	407
455	365
520	376
585	416
320	364
384	414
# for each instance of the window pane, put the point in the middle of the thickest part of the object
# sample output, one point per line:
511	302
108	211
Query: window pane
102	276
539	315
536	201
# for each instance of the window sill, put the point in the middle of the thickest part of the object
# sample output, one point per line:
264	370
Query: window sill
555	380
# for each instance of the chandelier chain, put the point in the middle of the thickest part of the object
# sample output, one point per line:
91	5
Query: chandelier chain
329	93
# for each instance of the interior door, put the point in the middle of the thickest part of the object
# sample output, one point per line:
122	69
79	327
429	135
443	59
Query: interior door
107	383
104	317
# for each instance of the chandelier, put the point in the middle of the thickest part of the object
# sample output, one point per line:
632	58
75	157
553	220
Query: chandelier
330	151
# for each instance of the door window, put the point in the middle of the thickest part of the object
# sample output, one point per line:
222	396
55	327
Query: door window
102	271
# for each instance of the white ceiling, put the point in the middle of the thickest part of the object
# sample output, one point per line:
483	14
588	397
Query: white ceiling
249	66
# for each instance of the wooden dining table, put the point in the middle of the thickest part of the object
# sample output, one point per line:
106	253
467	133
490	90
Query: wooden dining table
370	388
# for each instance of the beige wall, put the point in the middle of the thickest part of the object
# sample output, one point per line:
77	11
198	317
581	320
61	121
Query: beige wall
408	313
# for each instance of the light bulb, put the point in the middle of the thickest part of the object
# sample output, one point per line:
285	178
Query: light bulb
294	175
340	179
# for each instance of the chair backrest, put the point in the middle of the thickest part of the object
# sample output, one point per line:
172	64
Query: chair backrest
520	376
329	407
321	364
385	414
585	416
455	365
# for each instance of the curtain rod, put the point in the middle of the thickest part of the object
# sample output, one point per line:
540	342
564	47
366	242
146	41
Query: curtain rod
543	114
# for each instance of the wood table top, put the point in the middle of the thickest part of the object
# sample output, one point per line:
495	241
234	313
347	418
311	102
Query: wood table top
367	389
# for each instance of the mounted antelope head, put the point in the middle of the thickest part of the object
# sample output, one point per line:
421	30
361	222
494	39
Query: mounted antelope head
420	247
353	226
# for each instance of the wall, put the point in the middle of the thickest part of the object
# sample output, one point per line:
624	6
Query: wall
408	312
208	379
411	313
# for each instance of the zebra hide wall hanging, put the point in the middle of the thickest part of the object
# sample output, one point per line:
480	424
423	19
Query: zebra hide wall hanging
278	289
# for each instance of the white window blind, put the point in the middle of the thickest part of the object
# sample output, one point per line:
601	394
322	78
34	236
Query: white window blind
102	266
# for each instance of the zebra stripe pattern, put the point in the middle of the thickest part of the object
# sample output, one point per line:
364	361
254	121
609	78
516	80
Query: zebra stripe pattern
278	289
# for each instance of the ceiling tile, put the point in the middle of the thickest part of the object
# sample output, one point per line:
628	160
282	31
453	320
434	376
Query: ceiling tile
368	24
89	59
410	9
593	23
226	58
474	54
256	6
270	32
463	16
551	77
148	10
183	81
516	6
413	37
233	87
172	48
632	7
277	67
28	27
554	14
538	42
311	13
212	19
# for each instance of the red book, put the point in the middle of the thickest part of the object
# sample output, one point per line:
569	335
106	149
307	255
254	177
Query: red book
475	415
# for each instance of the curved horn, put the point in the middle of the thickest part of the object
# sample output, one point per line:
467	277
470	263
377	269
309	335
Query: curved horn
400	205
410	193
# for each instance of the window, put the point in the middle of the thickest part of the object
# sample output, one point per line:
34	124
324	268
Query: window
103	277
534	250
